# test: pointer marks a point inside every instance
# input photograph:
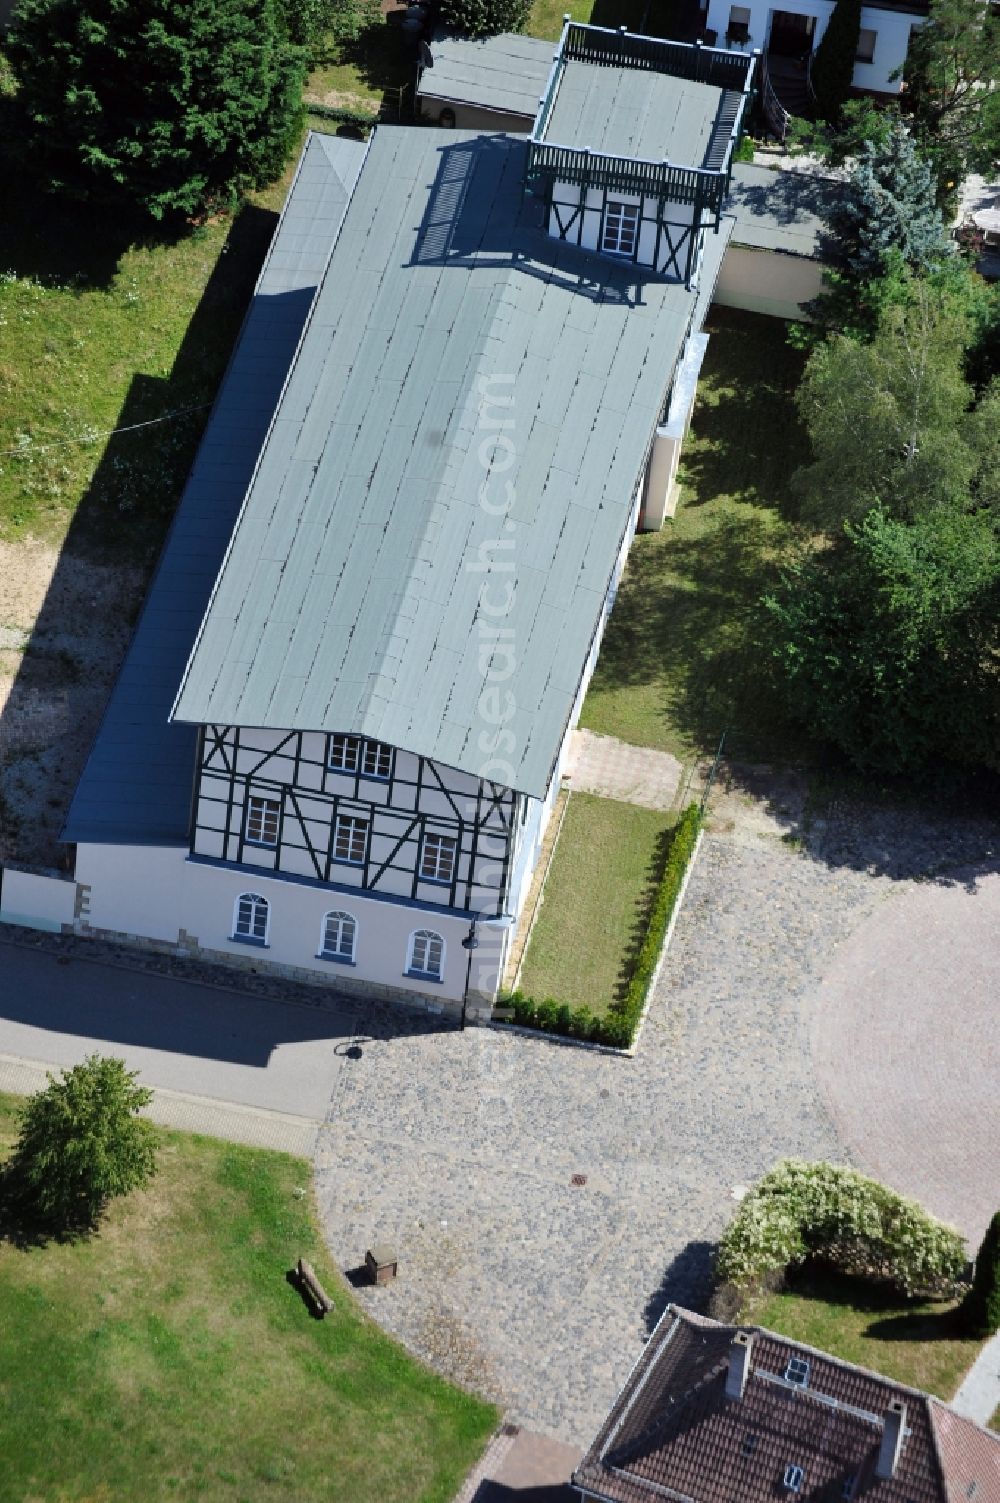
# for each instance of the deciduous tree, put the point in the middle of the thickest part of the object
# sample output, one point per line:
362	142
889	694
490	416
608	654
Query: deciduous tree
951	70
484	18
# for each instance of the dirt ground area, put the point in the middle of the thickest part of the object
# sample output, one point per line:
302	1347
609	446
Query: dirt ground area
65	623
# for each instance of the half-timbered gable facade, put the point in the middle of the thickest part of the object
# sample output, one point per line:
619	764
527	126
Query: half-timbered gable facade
354	814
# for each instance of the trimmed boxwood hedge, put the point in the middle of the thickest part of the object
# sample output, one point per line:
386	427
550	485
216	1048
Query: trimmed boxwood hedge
617	1026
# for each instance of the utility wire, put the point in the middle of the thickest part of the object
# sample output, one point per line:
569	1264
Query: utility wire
91	438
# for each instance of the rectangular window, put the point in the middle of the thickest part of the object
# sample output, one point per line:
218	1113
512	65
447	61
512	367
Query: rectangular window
621	228
263	815
437	857
345	753
373	759
350	839
738	29
866	45
376	760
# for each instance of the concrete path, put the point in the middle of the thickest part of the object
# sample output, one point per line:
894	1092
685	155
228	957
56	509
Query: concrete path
978	1397
906	1045
612	768
520	1466
223	1062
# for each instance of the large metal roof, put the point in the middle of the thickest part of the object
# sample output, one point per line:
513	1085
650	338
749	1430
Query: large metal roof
629	113
136	786
366	574
506	73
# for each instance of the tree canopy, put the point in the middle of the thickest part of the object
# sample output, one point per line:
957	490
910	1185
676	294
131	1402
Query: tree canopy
484	18
892	422
951	70
888	203
81	1143
169	105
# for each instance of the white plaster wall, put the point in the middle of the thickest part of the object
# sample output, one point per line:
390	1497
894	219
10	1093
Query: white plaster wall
893	30
37	901
567	196
154	892
765	282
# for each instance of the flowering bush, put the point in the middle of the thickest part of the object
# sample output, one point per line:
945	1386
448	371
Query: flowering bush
801	1211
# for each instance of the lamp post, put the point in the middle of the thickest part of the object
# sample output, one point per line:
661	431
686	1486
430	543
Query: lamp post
471	943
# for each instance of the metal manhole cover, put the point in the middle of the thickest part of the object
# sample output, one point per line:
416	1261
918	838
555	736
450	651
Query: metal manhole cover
577	1180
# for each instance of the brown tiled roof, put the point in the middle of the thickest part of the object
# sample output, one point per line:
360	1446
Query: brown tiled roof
674	1434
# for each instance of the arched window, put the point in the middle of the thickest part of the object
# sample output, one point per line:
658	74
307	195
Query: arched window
339	936
426	957
251	917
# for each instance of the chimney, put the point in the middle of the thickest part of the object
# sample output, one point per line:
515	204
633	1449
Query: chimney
892	1439
739	1364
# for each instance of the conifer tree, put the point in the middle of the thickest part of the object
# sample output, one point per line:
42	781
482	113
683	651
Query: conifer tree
888	204
167	105
833	68
981	1306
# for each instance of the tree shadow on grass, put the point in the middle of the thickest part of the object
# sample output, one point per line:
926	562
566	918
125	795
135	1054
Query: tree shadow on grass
23	1226
897	1316
379	53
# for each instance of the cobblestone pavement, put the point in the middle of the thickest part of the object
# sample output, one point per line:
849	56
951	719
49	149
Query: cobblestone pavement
907	1045
460	1149
614	769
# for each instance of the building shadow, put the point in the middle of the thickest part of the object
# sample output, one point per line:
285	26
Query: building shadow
687	1281
117	531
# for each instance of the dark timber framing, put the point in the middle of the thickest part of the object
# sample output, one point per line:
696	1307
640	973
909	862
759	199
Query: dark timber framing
480	816
703	190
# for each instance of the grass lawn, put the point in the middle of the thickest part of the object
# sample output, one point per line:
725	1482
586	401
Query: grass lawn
169	1358
912	1341
657	18
606	863
678	664
103	325
363	72
995	1421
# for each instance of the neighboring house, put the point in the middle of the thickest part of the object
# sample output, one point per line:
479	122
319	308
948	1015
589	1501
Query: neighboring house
715	1413
774	261
795	34
464	380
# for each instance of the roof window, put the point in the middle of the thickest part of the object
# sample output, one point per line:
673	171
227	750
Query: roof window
797	1372
794	1478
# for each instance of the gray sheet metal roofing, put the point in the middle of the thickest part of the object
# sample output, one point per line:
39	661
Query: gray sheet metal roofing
780	211
505	73
355	593
630	113
136	785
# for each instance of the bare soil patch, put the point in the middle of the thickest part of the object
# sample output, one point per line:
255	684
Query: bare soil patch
65	622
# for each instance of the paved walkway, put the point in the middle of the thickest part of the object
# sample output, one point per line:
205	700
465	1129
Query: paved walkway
520	1466
978	1397
906	1045
612	768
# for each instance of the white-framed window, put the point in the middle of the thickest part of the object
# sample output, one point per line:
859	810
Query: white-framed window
437	857
339	937
426	955
866	45
373	759
350	839
263	815
251	918
621	228
345	753
376	760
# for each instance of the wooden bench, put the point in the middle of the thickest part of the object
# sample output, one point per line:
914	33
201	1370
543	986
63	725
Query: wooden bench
311	1288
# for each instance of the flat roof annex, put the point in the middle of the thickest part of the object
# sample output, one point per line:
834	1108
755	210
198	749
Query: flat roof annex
136	785
506	73
391	527
628	113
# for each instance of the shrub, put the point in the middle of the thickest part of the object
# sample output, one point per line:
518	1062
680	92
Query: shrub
81	1143
981	1306
484	18
617	1027
800	1211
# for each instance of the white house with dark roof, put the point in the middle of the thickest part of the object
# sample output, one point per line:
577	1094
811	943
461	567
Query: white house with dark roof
342	722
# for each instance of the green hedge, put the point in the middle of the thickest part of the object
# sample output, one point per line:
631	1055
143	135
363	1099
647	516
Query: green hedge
617	1026
801	1210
